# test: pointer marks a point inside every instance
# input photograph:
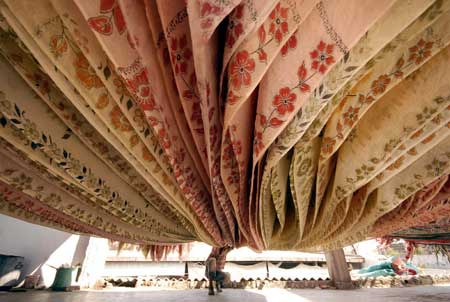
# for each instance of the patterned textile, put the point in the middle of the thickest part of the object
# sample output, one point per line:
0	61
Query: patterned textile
429	205
294	124
437	231
422	219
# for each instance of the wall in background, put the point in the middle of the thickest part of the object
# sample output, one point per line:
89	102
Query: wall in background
41	246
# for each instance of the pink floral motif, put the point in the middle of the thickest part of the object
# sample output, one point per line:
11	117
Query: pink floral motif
322	57
180	156
180	54
207	9
271	121
191	92
206	23
420	52
328	145
153	121
237	146
58	45
235	27
234	177
207	12
262	119
121	89
102	24
398	73
262	55
258	144
284	101
140	87
290	44
227	154
119	120
351	116
302	75
213	135
113	6
261	34
164	138
197	114
240	70
275	122
279	26
188	94
232	98
231	149
380	84
86	74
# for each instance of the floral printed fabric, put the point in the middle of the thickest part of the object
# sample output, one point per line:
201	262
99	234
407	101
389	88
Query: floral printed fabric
165	122
428	205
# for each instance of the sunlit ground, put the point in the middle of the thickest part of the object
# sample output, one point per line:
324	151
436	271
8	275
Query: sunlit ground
420	293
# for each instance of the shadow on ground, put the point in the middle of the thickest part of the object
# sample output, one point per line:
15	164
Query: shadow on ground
418	293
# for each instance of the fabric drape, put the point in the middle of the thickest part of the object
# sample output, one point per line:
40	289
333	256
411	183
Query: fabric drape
294	124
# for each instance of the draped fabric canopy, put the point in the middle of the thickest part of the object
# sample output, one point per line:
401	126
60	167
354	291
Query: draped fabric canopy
423	218
295	124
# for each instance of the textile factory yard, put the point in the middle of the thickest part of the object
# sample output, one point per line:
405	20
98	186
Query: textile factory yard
419	294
